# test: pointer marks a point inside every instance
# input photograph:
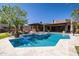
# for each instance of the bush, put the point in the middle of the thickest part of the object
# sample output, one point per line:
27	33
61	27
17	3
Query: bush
4	35
77	49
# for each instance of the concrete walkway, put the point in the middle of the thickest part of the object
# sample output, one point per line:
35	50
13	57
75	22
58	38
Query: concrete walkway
65	47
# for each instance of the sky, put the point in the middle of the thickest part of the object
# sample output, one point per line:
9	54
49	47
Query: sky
47	12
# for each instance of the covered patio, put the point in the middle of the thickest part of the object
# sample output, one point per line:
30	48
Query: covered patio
57	27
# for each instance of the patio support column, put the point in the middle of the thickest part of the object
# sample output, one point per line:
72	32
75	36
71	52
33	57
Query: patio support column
37	28
66	28
43	27
71	27
32	27
50	28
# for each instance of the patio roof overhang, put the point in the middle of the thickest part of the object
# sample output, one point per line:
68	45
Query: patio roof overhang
55	24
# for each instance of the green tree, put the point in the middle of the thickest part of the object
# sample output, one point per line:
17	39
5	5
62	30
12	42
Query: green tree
13	16
6	17
75	17
18	19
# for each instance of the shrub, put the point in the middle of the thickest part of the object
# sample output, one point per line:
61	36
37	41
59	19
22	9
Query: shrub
77	49
4	35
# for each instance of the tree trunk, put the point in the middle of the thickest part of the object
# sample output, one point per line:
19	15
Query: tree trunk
17	32
21	28
9	28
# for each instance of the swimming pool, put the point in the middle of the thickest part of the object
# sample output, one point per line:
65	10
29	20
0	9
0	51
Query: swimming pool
36	40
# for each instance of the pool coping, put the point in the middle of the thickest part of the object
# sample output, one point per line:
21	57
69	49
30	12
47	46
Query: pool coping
20	51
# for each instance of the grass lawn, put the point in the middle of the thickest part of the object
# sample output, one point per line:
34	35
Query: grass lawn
77	49
4	35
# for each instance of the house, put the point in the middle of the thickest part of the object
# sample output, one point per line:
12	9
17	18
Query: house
56	26
3	28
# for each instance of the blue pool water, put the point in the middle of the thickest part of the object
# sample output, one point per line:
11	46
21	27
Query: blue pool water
35	40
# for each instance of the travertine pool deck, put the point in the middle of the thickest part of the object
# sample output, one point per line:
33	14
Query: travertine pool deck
64	47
